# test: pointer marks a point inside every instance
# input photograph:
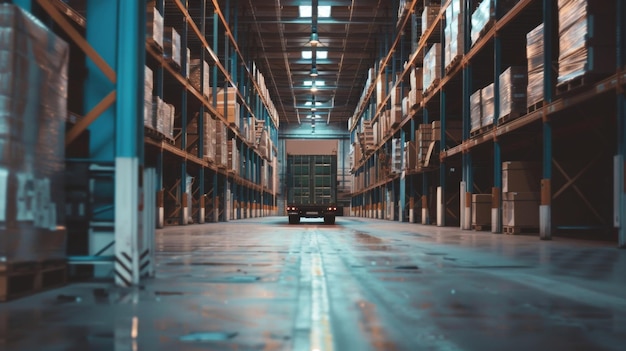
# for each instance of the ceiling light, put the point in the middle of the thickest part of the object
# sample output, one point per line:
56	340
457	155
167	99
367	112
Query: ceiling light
314	72
315	40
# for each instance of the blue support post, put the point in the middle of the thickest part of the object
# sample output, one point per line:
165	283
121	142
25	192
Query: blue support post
620	158
27	5
401	215
201	121
425	182
496	192
545	208
185	213
129	140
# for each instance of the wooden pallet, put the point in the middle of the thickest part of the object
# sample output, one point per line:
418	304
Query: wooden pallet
519	229
481	227
511	116
534	107
574	84
432	87
153	44
486	28
19	279
455	62
481	130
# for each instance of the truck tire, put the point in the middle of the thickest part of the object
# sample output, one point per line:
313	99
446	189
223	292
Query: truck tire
329	220
294	219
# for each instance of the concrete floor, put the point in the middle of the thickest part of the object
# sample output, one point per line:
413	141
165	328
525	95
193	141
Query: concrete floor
261	284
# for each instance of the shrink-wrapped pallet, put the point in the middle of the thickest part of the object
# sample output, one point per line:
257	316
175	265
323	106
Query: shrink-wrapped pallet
512	95
476	110
429	15
534	54
586	40
210	138
148	118
453	32
488	102
198	78
171	45
432	66
154	25
33	110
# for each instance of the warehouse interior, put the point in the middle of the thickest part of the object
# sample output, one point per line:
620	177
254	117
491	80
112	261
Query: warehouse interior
125	124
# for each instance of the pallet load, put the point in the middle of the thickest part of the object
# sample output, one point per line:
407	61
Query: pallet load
513	82
33	109
171	46
221	144
482	19
454	34
233	156
481	211
476	111
520	196
488	105
396	156
416	80
429	16
148	117
228	106
157	114
586	42
410	155
534	55
199	75
209	138
424	139
154	26
432	67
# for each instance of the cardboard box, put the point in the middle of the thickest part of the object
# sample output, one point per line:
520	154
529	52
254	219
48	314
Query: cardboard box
481	209
518	176
520	209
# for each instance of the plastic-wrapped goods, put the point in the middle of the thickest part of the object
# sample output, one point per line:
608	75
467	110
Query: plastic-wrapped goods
410	155
154	25
209	138
488	99
228	98
480	18
148	119
453	32
166	122
158	113
221	145
171	45
187	72
396	155
512	95
429	15
432	66
586	39
233	156
534	54
476	110
33	109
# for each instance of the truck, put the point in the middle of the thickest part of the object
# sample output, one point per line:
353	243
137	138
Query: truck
311	182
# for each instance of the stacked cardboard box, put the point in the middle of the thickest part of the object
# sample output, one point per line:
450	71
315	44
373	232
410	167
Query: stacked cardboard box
424	138
233	156
481	210
429	15
410	155
534	54
199	75
158	113
512	95
454	131
154	25
209	138
396	156
520	194
228	106
148	117
476	110
171	45
432	66
488	108
417	83
221	144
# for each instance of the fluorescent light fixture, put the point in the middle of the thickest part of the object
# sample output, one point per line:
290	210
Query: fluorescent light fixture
307	11
314	72
319	83
315	40
308	54
317	103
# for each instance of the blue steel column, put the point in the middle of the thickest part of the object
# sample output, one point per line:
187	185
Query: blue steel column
496	192
214	87
158	87
441	206
467	91
402	205
183	118
25	4
201	176
620	160
129	140
545	209
425	182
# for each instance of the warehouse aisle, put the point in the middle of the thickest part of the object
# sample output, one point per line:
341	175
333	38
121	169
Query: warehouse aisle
261	284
